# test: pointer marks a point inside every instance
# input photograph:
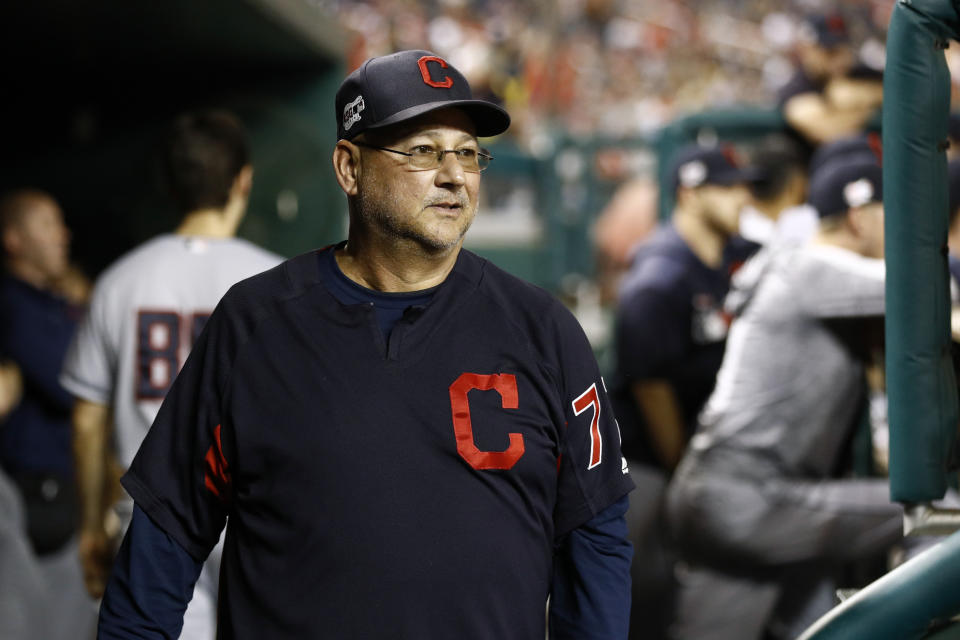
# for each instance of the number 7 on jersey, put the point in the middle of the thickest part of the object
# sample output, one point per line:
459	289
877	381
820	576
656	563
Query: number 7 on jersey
587	399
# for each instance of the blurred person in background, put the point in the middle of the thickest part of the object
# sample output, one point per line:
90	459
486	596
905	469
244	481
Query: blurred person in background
760	514
21	585
629	217
778	212
953	250
147	309
953	202
670	331
36	326
831	95
778	215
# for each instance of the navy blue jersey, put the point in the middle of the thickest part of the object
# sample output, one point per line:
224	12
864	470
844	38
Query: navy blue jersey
35	331
670	326
409	487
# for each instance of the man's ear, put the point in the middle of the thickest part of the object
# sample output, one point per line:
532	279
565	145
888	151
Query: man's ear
685	196
346	166
243	183
856	220
11	240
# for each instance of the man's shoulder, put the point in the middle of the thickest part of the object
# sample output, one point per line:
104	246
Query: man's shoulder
280	281
155	257
246	250
529	307
798	84
661	264
515	292
130	266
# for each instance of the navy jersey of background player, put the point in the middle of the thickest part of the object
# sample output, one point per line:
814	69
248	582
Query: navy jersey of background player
671	326
383	471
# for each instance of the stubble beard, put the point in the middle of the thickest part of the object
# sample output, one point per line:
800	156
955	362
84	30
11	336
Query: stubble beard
379	216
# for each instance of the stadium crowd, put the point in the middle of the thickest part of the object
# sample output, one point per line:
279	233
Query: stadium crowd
607	67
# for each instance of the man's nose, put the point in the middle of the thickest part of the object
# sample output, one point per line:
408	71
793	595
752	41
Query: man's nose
450	170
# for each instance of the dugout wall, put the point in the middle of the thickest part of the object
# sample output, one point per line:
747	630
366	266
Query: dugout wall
89	89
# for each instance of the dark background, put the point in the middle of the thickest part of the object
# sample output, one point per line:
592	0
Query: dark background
88	88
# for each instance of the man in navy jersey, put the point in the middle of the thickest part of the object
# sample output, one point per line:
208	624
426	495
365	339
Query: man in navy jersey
402	440
670	334
832	95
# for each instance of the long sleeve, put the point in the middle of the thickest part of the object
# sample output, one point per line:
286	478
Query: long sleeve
150	586
590	594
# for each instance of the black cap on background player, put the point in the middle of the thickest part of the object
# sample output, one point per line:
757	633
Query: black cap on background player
846	183
696	165
850	146
828	29
390	89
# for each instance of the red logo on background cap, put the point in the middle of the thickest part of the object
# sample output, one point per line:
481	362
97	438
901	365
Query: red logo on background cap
730	154
836	24
875	143
447	81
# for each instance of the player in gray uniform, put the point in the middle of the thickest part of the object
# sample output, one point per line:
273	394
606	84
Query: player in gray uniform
146	310
756	502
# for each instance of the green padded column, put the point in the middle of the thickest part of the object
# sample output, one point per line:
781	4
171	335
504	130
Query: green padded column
920	381
902	605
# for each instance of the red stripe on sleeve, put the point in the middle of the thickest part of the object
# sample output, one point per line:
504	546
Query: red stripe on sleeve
217	475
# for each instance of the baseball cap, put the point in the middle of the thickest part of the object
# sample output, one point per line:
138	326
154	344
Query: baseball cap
845	183
389	89
826	29
866	143
694	166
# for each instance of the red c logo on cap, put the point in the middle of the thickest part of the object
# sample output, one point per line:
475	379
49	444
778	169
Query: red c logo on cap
425	72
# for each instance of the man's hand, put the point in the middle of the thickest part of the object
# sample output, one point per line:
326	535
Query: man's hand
663	419
11	387
96	557
96	478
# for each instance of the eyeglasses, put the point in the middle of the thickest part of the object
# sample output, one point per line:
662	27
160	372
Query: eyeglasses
424	156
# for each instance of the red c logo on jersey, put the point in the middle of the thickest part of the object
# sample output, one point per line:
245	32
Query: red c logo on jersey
506	385
447	81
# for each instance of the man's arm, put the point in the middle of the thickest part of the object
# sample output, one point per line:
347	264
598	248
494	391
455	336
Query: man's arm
11	387
150	586
90	431
820	121
40	356
663	419
590	593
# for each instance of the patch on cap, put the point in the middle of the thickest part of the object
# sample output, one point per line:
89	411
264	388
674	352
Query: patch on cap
351	113
858	193
692	174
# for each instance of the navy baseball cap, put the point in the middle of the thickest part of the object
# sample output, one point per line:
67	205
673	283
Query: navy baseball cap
845	183
394	88
826	29
866	143
694	166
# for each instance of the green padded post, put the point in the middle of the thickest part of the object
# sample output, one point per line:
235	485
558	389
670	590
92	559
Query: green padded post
920	380
902	605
